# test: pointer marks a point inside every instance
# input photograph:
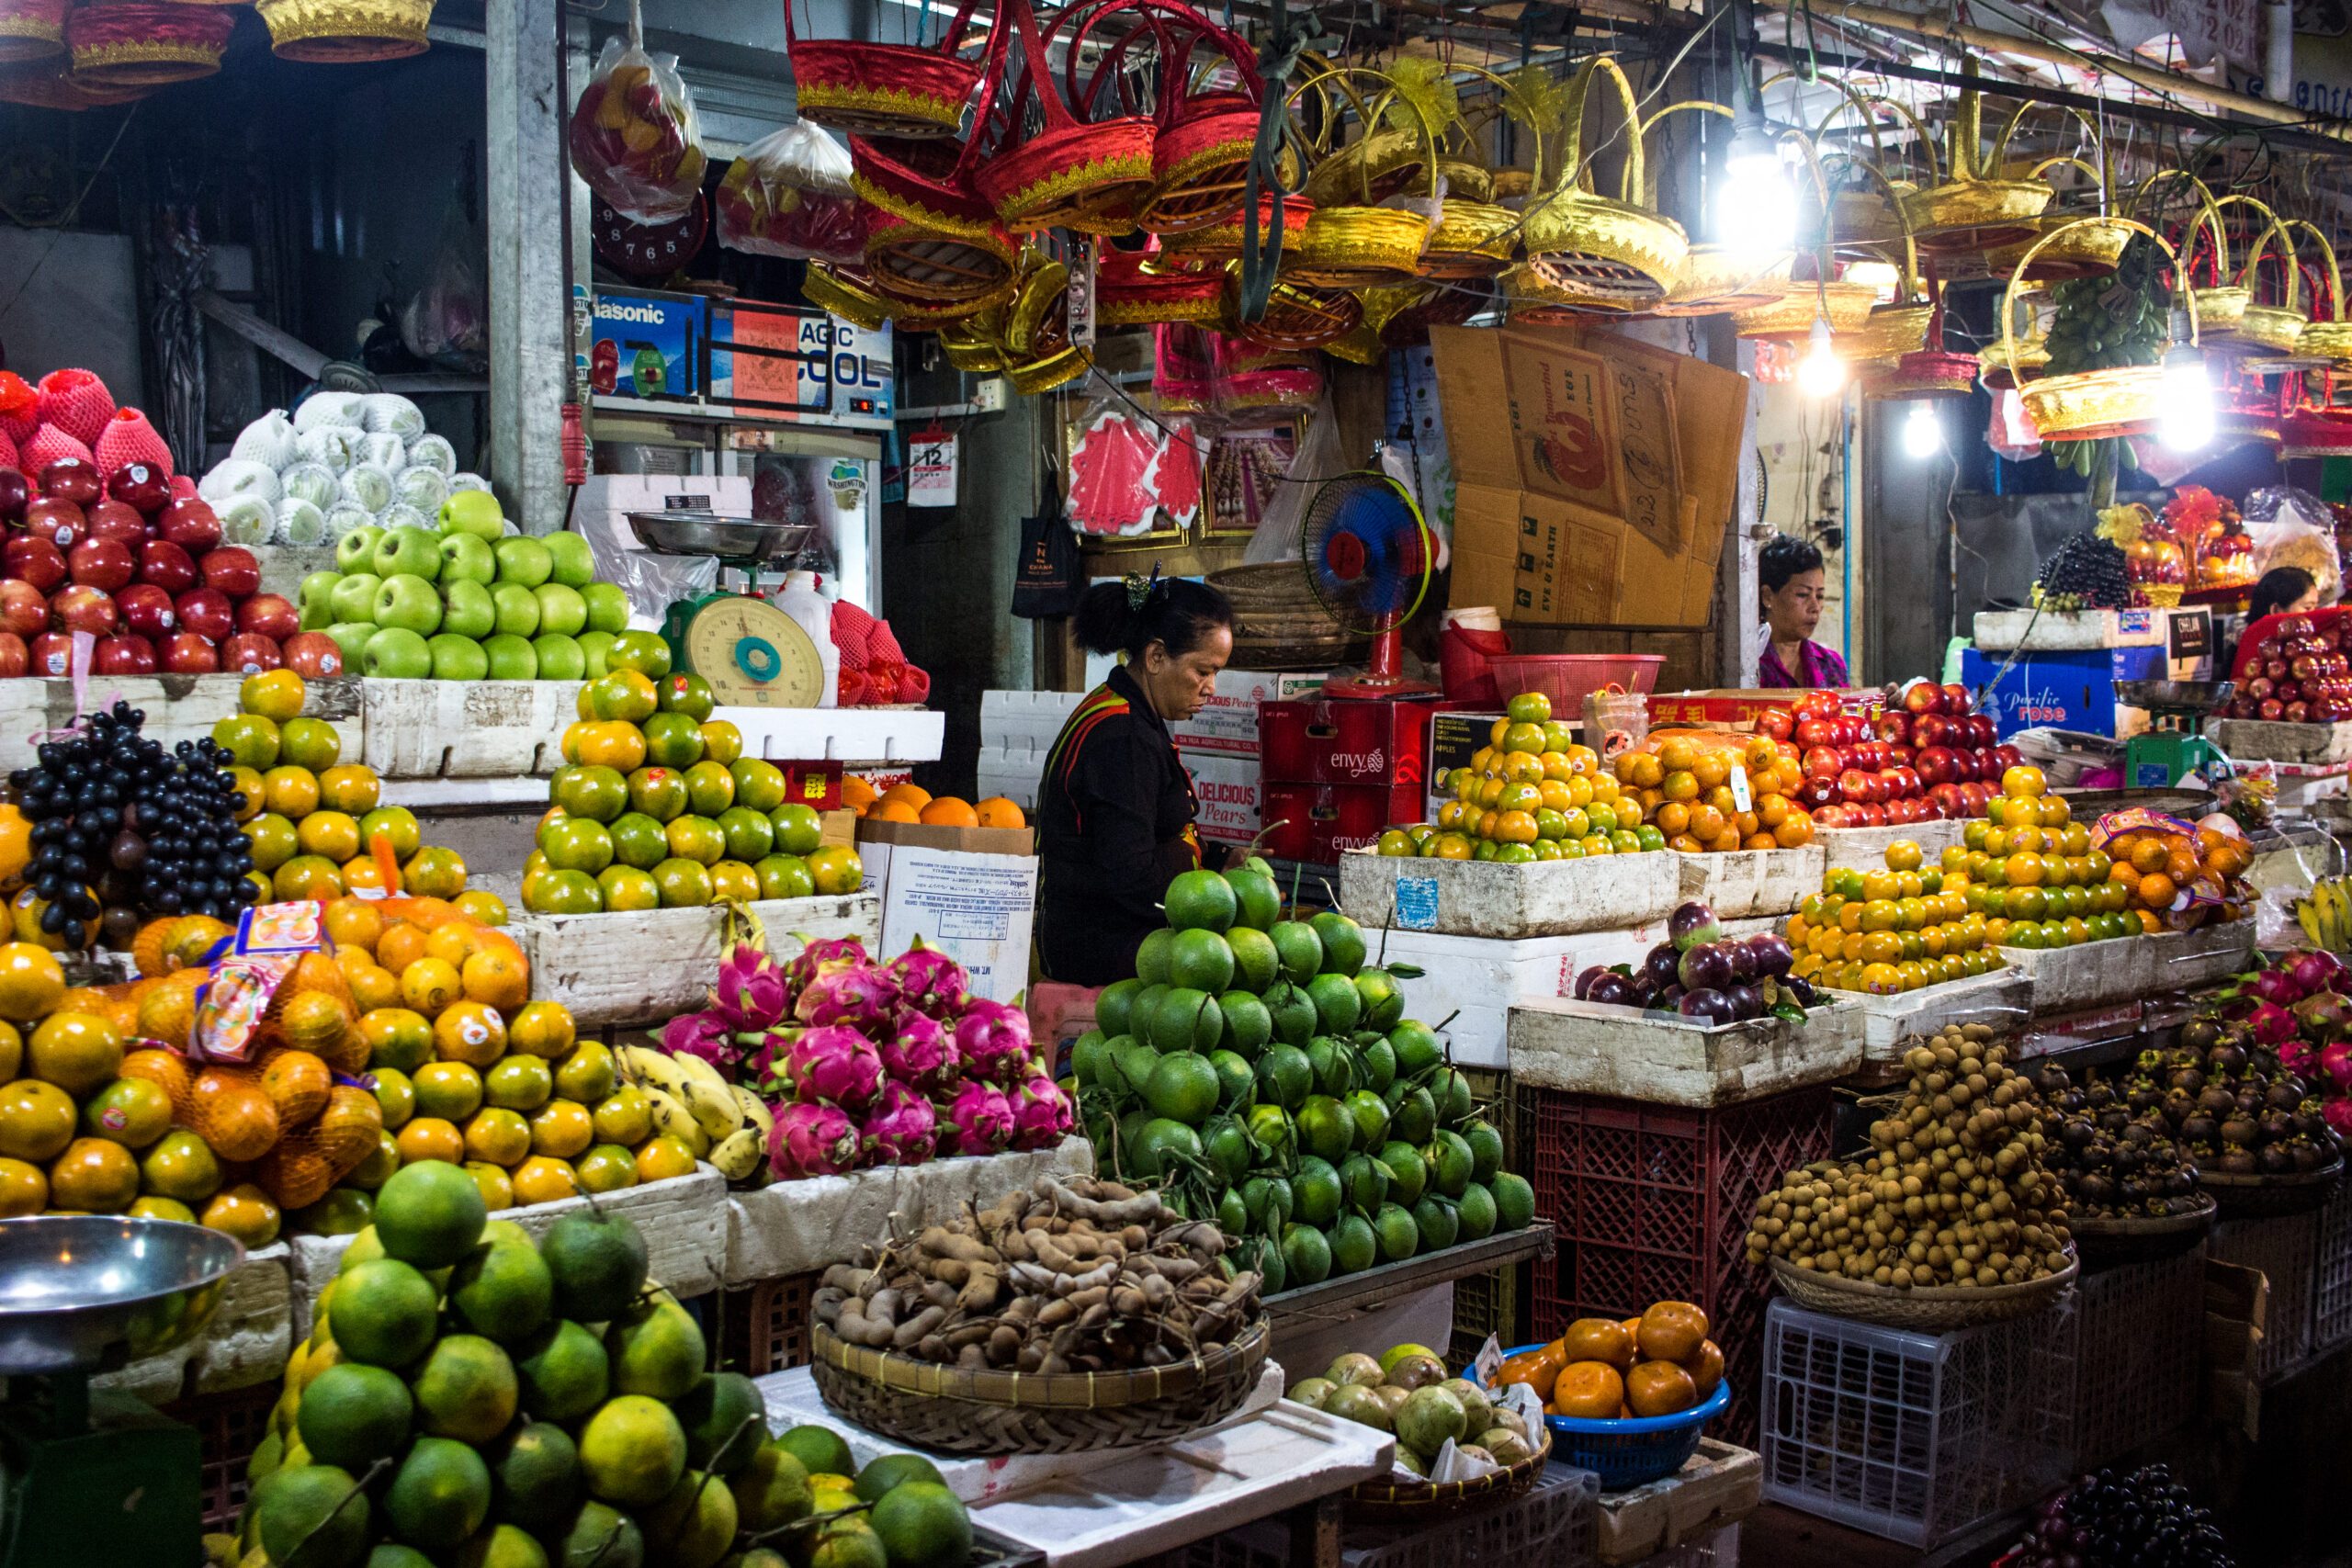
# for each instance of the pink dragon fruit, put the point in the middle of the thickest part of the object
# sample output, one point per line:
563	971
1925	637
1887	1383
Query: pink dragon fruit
751	993
919	1050
767	1066
903	1129
812	1140
821	957
993	1040
2339	1116
2298	1058
703	1034
930	980
2336	1061
1042	1114
835	1064
980	1121
859	995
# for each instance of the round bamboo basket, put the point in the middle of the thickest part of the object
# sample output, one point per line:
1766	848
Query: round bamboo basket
1388	1500
2269	1197
1847	305
1599	255
2140	1238
1933	1308
2087	404
956	1410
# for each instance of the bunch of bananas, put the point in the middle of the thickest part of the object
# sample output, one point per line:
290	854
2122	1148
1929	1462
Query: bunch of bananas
2107	323
2325	914
724	1123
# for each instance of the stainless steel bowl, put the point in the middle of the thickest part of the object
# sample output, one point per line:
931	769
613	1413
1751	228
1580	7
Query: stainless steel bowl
80	1291
707	534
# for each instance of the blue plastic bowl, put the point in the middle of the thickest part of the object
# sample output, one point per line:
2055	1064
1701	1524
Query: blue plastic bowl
1636	1448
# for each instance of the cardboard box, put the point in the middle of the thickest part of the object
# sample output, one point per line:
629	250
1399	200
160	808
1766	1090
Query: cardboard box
2059	691
1229	721
1226	788
1603	495
648	345
971	892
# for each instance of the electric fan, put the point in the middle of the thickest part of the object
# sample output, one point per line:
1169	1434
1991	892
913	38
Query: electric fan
1369	555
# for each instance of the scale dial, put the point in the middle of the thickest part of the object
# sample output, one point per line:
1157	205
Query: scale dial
754	655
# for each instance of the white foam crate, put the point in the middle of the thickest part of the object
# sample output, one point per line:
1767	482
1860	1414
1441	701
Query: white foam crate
1864	849
892	736
178	708
2285	1250
502	730
644	968
1596	1048
1550	1523
1476	980
1604	893
2088	975
1740	883
2126	1352
2179	960
2002	1000
2331	1307
1908	1436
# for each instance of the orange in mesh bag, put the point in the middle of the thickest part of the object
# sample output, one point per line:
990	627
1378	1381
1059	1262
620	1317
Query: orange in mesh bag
168	1010
229	1108
311	1009
296	1083
168	1072
308	1161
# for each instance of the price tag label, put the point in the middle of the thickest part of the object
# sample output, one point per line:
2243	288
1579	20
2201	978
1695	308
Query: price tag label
1740	796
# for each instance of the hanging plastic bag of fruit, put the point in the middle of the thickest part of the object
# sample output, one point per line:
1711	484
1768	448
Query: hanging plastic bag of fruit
633	136
788	196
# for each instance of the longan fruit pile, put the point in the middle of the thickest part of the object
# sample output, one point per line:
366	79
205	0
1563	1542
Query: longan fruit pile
1954	1192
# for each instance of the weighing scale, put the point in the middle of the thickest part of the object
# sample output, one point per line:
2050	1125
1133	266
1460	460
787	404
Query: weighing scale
90	1475
2171	749
752	654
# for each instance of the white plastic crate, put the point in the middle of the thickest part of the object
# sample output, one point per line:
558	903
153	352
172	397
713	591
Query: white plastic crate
2332	1308
2286	1252
1720	1549
1550	1523
2126	1348
1908	1436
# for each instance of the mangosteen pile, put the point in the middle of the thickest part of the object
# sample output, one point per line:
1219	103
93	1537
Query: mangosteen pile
2232	1106
1701	974
2115	1152
2143	1517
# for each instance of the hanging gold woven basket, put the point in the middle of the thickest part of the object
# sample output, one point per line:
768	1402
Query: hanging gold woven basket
1847	306
1597	254
2085	405
2260	327
1350	240
844	295
2331	339
1966	209
1887	333
1714	279
1297	316
347	32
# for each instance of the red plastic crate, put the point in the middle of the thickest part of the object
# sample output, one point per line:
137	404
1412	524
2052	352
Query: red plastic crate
763	1326
229	1427
1344	742
1316	821
1652	1204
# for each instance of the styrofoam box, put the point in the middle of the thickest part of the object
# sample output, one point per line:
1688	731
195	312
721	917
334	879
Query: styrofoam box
1015	722
2177	960
1737	883
1016	775
1593	1048
1478	979
2003	999
1864	849
2089	974
1999	631
1228	722
1226	783
1486	899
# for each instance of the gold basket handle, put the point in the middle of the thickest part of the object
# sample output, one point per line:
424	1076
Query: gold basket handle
1649	186
1573	174
2208	216
2074	161
2017	117
1501	108
1337	75
1852	100
2327	251
2009	295
2249	277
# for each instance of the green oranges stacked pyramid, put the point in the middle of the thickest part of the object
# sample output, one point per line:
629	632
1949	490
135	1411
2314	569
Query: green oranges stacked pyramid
657	807
311	816
473	1397
1264	1072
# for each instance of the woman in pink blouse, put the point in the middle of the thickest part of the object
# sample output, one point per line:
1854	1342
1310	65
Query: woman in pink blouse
1794	588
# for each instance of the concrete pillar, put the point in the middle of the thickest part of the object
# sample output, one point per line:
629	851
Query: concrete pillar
530	297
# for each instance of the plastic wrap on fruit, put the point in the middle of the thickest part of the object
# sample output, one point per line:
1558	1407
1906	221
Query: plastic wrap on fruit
836	1063
980	1119
821	957
919	1051
929	980
902	1129
860	996
1042	1115
812	1140
634	138
993	1040
789	195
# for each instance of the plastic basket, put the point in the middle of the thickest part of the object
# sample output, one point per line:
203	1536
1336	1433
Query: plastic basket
1568	678
1909	1436
1484	1307
1551	1523
2125	1352
2286	1252
1635	1449
229	1427
763	1328
2332	1311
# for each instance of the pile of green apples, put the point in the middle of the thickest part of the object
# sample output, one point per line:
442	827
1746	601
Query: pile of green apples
465	601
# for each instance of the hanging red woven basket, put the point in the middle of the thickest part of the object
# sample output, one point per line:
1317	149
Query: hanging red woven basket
1072	173
1208	129
31	29
1225	241
1136	288
924	265
885	89
144	45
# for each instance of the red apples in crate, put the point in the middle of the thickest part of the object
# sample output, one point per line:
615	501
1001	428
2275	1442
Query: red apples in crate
2297	670
1922	758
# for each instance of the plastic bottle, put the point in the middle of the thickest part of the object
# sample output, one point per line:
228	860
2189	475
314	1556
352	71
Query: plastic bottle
800	599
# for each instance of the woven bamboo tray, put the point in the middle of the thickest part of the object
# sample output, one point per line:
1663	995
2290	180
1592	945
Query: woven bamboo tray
2107	1243
955	1411
1932	1309
1389	1500
2268	1197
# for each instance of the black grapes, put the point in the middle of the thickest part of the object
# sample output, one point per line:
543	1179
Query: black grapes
123	829
2144	1518
2086	572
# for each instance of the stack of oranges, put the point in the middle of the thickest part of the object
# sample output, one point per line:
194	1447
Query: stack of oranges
1533	792
910	802
2040	879
1889	931
1605	1368
1715	792
2162	871
311	816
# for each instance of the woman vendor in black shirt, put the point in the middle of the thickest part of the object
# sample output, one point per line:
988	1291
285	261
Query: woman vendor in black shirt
1115	808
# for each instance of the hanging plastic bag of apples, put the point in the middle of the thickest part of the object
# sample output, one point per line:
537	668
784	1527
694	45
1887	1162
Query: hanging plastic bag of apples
633	135
788	196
